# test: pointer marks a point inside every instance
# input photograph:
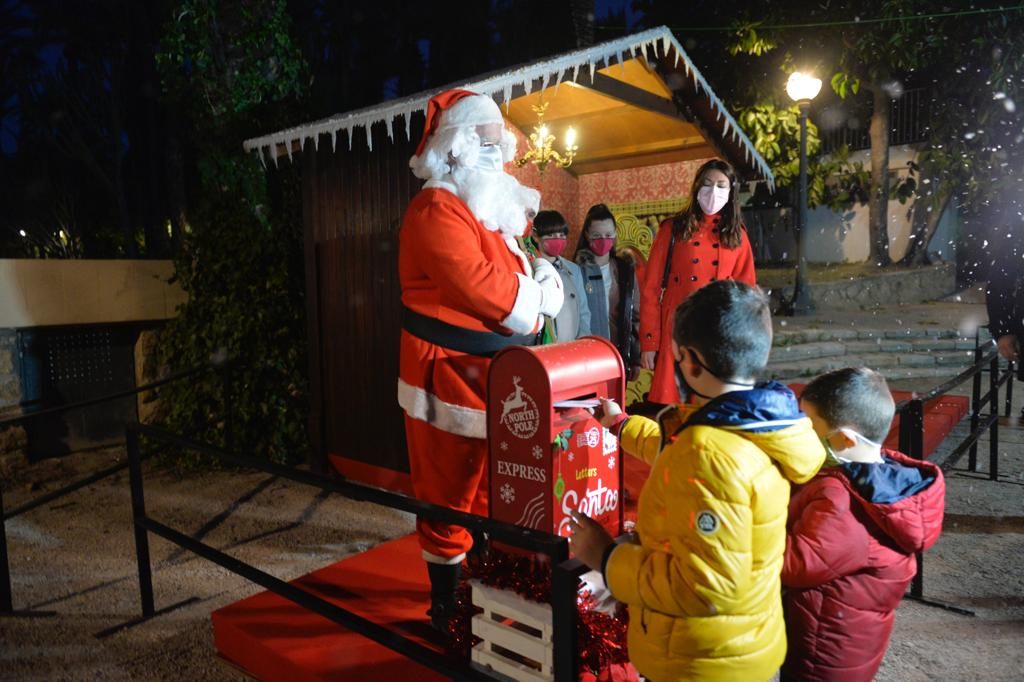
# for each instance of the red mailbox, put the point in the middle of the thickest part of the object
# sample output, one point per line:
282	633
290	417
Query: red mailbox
548	455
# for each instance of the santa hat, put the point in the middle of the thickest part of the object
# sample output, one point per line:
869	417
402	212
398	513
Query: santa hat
457	109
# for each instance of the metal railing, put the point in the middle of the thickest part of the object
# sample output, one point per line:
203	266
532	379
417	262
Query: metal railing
565	572
911	432
908	123
6	592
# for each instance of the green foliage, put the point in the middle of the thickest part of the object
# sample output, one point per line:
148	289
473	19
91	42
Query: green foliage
243	274
235	54
241	261
842	83
775	132
846	183
892	49
747	40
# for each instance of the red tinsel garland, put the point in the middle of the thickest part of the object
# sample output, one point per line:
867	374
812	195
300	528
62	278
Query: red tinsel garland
601	637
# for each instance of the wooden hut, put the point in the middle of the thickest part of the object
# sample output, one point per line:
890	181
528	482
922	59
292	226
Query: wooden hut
646	118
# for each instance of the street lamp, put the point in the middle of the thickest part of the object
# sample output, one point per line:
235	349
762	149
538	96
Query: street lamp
802	88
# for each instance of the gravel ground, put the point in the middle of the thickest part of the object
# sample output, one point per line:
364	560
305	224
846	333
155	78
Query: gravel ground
74	560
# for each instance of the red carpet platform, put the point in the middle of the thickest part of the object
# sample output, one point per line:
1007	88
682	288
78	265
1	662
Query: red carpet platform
272	638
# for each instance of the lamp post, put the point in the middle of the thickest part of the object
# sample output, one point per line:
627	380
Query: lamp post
802	88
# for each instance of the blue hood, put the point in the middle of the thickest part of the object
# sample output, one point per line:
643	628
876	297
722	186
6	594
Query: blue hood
769	406
768	416
886	482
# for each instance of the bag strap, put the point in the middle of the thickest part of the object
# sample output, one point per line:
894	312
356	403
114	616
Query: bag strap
668	262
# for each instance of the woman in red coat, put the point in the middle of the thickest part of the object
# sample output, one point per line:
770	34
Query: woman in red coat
707	242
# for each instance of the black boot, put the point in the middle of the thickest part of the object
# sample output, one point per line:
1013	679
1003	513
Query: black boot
444	578
480	549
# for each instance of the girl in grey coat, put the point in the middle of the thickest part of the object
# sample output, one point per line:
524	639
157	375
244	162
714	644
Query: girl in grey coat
551	234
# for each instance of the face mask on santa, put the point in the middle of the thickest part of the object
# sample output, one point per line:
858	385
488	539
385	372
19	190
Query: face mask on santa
712	199
489	159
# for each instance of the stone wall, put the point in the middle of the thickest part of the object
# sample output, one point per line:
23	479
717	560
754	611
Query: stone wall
148	369
895	287
12	439
10	386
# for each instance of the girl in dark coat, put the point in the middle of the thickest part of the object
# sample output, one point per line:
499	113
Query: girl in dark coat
609	279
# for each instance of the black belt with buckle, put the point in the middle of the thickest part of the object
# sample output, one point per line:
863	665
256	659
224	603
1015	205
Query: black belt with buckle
485	344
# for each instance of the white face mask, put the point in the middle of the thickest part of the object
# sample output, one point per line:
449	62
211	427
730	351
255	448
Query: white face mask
860	442
712	198
490	159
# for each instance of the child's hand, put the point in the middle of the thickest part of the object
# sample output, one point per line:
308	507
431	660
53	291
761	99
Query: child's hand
588	539
608	413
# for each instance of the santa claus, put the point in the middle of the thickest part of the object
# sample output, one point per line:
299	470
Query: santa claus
467	292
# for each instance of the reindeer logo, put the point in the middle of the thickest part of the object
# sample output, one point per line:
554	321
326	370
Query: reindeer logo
513	401
519	412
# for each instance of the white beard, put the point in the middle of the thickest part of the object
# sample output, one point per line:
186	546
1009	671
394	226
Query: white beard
498	200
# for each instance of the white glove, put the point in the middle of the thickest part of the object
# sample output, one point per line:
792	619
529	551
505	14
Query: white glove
551	294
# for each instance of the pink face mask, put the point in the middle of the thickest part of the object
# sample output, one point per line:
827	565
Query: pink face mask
712	199
554	247
603	246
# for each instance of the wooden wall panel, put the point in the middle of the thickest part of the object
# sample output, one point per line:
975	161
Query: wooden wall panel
355	202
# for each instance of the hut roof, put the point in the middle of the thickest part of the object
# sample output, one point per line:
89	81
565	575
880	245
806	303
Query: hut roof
637	100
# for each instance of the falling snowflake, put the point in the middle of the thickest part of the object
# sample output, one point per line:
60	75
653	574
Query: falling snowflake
538	452
611	462
508	494
572	456
504	446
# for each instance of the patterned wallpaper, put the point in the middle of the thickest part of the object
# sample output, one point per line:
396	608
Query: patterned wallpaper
572	196
648	183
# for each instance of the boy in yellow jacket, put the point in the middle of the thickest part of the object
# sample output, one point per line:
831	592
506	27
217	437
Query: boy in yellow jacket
702	582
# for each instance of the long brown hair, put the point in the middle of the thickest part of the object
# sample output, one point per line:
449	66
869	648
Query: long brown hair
730	228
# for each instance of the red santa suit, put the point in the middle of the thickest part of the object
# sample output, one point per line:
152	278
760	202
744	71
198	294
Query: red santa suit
695	262
455	270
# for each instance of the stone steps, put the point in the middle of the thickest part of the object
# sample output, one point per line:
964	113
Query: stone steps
785	337
912	353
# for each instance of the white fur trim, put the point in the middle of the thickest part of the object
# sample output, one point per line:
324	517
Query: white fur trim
469	111
441	184
427	407
442	560
526	310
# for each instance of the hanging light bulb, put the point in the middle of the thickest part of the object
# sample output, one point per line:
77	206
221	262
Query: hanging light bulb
570	138
541	151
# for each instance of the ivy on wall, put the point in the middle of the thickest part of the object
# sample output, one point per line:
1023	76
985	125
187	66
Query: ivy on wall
233	67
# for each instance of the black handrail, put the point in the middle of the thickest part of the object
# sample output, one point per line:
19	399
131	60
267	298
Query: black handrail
911	434
564	575
59	409
223	366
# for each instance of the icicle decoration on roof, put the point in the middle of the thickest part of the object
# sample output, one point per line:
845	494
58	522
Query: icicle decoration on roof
502	85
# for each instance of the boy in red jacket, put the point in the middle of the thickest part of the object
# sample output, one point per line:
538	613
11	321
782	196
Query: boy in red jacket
852	532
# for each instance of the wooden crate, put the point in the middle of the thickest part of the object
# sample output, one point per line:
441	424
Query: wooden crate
516	634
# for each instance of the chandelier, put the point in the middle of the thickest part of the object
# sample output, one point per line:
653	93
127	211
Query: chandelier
541	152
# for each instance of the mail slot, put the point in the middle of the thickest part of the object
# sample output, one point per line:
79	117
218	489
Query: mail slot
548	454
